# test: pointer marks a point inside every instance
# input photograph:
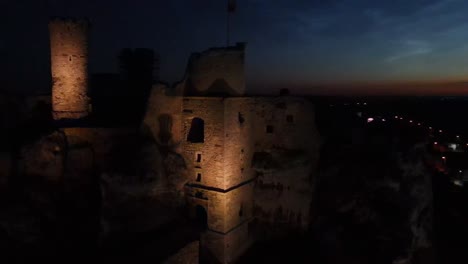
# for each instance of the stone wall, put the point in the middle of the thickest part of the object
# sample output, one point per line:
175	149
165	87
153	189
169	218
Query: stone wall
209	170
69	66
228	216
164	116
217	71
285	161
238	141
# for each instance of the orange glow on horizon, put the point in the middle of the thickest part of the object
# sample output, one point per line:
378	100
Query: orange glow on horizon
384	88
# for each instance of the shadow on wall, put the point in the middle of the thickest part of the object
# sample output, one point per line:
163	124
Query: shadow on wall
218	88
165	129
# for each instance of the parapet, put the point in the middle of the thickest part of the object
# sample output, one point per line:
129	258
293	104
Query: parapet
70	21
217	72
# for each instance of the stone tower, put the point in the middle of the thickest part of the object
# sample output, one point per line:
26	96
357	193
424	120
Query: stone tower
69	67
218	151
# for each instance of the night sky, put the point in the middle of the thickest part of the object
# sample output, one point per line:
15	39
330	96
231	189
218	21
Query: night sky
314	47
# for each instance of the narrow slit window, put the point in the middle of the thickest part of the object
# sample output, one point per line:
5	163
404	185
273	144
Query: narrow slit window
198	157
241	118
198	177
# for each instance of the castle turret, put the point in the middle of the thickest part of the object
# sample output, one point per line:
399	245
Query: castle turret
69	67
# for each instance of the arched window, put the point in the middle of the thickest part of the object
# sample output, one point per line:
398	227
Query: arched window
197	131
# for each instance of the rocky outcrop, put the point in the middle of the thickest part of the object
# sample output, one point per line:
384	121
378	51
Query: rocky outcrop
187	255
143	192
374	198
44	159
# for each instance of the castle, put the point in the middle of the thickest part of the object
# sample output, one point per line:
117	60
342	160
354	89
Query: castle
223	135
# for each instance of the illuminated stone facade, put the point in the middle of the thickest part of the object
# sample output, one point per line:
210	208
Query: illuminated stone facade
69	67
218	136
207	119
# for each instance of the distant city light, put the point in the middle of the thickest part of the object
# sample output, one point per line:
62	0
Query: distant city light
430	128
458	182
435	143
401	118
370	119
365	104
411	121
444	158
453	146
460	171
458	136
440	131
396	117
383	120
419	124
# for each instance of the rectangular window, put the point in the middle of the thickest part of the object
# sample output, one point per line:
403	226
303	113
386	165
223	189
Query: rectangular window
198	159
198	177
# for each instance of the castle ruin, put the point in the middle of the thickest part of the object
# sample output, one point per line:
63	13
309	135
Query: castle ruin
225	137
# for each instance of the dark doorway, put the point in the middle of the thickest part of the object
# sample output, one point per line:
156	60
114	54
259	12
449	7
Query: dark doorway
201	217
197	131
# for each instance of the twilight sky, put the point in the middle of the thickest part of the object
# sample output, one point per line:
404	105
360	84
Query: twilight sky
322	46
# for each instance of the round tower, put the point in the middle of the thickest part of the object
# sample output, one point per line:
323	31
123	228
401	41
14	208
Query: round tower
69	67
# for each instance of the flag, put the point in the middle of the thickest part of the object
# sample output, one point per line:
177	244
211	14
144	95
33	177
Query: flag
231	6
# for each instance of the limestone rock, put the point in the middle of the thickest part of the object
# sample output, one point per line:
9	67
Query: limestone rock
187	255
44	159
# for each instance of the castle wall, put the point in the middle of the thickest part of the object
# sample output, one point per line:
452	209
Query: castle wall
225	248
210	167
229	214
217	71
291	119
101	140
69	67
239	206
238	142
286	170
164	115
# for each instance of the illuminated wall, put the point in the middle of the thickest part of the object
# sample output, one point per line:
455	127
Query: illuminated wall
218	137
69	66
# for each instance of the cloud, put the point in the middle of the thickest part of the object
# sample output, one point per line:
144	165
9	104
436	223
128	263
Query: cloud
410	48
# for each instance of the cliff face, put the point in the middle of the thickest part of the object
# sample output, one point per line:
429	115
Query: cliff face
71	187
374	196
